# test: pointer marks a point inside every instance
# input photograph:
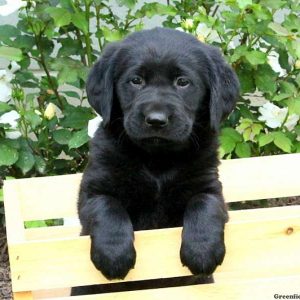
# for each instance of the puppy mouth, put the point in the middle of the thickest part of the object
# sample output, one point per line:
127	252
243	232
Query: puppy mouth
155	140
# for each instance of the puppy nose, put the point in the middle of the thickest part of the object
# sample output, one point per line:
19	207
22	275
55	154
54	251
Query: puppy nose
157	119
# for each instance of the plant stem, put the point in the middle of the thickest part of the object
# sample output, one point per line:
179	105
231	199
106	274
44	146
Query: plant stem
215	10
86	35
98	27
43	63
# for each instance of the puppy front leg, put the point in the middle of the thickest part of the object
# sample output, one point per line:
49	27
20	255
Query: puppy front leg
108	223
202	248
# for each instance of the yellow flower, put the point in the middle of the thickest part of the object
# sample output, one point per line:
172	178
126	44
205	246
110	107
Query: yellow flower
50	111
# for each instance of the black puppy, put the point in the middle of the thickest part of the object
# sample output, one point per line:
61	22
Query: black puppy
153	161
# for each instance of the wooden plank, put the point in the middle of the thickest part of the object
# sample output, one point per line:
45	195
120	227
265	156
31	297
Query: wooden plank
23	296
44	198
261	177
254	249
14	220
256	289
243	179
253	215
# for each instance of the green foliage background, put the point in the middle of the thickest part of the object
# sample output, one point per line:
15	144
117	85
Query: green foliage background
247	31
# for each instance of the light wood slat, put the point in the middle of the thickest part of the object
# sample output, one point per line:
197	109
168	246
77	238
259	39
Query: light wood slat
23	296
249	215
261	177
256	289
254	249
44	198
14	219
243	179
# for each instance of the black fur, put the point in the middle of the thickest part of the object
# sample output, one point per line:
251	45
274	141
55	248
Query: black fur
144	176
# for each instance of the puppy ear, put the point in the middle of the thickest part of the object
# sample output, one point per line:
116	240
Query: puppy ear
224	89
100	83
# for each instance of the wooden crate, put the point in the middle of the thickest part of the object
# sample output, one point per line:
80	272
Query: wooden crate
262	244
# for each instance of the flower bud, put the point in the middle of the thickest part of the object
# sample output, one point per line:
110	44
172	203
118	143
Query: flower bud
297	64
188	24
50	111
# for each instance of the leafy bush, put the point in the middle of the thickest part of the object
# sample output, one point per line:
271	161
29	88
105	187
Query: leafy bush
44	116
260	39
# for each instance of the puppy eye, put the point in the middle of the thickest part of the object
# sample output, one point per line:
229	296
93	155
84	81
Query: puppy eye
182	82
137	81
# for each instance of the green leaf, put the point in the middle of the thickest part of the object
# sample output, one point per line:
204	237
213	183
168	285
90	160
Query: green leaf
284	59
293	105
273	4
34	224
282	141
40	164
78	139
265	79
32	118
256	57
247	133
7	32
246	78
297	146
128	3
26	161
69	70
62	136
11	53
4	107
60	16
232	134
280	30
238	52
8	155
265	139
227	144
153	9
80	22
77	118
243	150
281	96
243	3
287	88
111	35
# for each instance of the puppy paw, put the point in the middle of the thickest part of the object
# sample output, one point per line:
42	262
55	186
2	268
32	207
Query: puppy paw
202	257
113	260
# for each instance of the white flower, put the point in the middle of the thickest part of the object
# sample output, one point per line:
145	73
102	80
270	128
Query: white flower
205	33
93	125
291	122
6	75
11	6
12	134
273	61
5	87
50	111
272	115
14	67
5	91
10	118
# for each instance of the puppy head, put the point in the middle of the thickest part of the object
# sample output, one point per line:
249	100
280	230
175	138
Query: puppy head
162	79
